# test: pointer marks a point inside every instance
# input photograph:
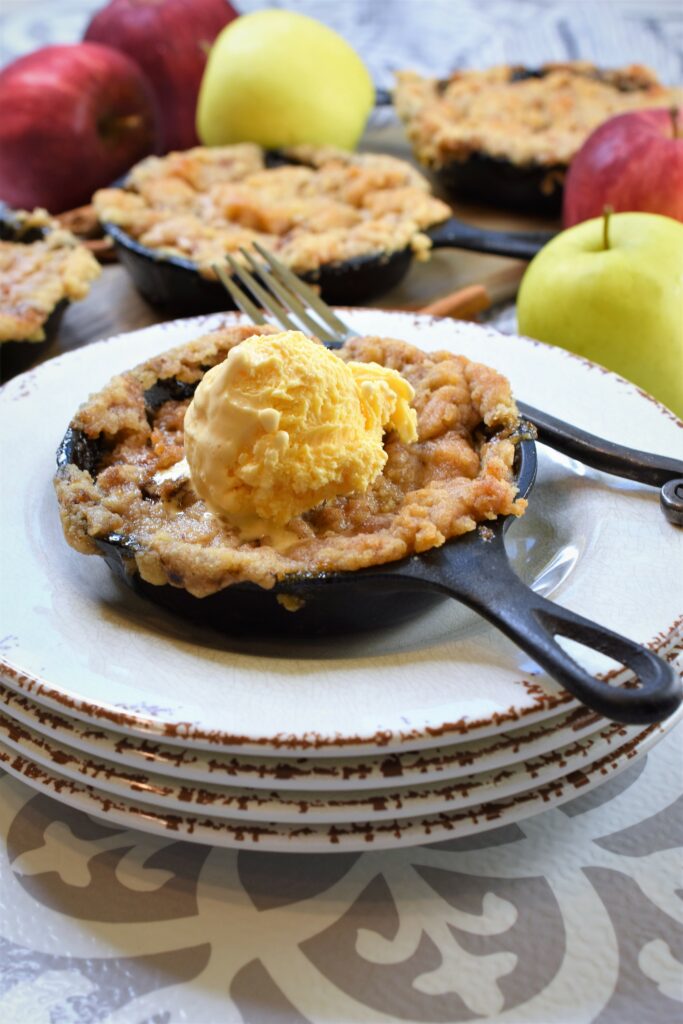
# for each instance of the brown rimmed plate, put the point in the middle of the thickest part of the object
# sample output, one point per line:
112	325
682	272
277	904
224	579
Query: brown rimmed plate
196	825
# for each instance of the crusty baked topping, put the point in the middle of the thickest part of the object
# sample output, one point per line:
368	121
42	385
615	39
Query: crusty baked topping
24	221
458	474
331	206
503	113
36	277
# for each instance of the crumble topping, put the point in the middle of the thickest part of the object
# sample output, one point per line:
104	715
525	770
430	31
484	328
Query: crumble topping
527	119
35	277
329	206
458	474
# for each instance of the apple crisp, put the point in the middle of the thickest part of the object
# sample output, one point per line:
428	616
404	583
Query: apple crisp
35	277
526	118
327	206
130	484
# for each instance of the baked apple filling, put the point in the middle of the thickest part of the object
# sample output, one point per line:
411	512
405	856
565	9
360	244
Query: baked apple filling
456	474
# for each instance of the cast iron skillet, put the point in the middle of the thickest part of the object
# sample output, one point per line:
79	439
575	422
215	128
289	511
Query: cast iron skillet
474	569
175	283
529	188
532	187
16	356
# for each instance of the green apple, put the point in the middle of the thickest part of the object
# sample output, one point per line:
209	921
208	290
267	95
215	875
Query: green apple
611	289
280	79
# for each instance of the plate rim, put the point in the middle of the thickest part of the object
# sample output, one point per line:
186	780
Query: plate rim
148	787
392	834
455	768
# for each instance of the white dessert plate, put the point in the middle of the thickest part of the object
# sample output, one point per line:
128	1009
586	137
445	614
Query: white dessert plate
78	640
299	806
371	771
305	837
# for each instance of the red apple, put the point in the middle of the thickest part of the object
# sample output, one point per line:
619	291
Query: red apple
631	162
170	40
72	118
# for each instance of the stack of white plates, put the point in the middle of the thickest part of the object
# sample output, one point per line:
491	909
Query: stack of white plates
277	801
440	729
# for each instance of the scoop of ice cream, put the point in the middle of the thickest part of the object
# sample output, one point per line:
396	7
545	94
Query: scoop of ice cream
283	424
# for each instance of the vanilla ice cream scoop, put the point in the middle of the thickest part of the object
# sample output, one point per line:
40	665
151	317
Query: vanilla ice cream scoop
283	424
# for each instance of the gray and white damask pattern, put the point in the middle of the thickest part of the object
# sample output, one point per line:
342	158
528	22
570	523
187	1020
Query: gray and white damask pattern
575	915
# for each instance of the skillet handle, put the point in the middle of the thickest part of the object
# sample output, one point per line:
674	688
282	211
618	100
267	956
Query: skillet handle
488	584
630	463
456	234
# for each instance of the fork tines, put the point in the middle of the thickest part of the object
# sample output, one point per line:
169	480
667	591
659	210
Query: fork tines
281	293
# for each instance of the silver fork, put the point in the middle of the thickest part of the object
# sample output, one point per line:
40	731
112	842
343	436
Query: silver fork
287	298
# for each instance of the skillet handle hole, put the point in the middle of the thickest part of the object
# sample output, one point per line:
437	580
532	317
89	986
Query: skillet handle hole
599	664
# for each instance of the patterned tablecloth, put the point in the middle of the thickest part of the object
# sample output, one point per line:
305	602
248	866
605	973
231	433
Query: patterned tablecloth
573	916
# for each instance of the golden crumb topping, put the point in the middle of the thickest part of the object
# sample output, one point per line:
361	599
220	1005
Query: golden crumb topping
504	113
329	206
36	277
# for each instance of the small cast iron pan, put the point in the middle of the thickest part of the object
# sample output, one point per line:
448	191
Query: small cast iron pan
528	188
473	569
16	356
175	283
532	188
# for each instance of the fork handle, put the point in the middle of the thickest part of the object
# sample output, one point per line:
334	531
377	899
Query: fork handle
456	234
